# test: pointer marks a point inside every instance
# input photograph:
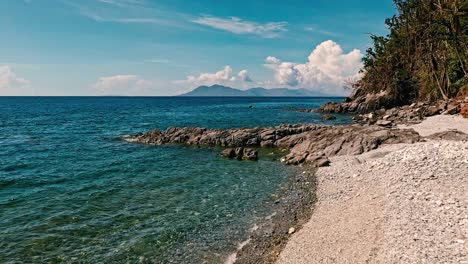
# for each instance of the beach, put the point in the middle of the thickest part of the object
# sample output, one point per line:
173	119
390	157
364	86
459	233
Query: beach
402	203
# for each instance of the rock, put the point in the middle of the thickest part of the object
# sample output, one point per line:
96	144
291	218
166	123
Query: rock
464	111
240	153
331	107
322	162
384	123
291	230
318	160
267	144
312	144
452	109
454	135
229	153
432	110
328	117
250	154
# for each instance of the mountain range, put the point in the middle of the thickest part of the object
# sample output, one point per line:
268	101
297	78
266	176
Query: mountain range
219	90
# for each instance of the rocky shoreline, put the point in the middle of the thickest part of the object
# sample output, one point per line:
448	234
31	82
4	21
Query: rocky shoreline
306	144
309	146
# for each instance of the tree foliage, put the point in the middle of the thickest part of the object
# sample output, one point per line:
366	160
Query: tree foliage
425	54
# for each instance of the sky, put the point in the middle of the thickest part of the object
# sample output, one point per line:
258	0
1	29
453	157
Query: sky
167	47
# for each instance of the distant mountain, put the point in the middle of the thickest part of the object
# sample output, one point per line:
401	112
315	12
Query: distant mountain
219	90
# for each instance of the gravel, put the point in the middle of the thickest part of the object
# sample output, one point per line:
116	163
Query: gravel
404	203
440	123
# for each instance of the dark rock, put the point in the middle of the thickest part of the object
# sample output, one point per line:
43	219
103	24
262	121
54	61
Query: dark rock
328	117
240	153
229	153
384	123
451	110
250	154
432	110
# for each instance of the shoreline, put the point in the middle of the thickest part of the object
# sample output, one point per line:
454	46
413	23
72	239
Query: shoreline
399	203
310	146
270	235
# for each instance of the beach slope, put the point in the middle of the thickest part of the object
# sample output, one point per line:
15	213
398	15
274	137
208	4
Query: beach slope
403	203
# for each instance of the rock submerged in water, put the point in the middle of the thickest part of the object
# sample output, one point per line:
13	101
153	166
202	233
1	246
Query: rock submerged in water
328	117
240	153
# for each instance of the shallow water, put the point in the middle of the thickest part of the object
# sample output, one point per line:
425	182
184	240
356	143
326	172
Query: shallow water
72	191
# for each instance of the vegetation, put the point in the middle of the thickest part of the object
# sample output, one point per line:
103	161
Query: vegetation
424	56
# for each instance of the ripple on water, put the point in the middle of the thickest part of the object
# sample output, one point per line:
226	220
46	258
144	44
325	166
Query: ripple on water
72	190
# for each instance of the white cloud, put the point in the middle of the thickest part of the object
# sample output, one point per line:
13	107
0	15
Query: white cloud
326	69
122	85
11	84
129	12
238	26
224	77
244	76
122	2
321	31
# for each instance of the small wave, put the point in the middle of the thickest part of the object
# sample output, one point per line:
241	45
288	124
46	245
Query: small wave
231	259
14	167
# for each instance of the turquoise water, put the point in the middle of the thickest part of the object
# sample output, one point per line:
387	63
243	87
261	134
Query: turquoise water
71	191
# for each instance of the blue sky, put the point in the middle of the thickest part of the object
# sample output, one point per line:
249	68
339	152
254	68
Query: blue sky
165	47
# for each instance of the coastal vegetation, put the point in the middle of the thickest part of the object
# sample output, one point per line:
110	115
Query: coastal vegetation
423	58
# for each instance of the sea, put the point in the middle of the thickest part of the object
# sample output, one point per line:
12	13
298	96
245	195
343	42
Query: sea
73	191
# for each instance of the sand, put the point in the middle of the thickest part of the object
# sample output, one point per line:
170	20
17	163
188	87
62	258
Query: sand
397	204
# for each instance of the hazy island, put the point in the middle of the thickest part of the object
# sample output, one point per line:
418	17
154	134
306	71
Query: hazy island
220	90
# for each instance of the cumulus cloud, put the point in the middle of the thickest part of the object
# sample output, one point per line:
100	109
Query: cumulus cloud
122	85
224	76
326	69
11	84
244	76
238	26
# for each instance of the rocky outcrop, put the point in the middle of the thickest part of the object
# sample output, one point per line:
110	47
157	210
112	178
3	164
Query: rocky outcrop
311	144
243	137
345	140
360	103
